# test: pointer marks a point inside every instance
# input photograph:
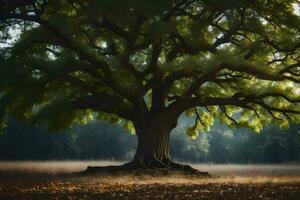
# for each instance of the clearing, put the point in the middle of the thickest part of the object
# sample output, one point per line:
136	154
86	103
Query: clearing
54	180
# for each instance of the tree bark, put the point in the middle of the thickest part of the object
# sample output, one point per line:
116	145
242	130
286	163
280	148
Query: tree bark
153	145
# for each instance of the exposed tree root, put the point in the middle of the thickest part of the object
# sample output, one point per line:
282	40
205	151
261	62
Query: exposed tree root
153	168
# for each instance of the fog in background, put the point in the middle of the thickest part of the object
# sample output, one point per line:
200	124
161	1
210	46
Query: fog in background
103	141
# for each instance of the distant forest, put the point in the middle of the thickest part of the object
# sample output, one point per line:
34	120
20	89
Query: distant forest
103	141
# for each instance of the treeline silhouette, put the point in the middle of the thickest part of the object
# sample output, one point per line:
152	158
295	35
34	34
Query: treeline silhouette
103	141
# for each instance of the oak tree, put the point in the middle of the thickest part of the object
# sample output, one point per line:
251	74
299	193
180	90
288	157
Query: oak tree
144	63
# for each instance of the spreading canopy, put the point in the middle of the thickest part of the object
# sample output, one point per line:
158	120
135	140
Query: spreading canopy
238	61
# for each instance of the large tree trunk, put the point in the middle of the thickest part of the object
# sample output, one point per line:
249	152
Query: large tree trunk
153	145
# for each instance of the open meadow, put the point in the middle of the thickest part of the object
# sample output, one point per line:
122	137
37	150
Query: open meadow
56	180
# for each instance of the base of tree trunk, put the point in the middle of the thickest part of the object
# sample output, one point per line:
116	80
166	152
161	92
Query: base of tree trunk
134	168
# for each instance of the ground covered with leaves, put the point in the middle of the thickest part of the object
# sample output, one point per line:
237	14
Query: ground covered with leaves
244	185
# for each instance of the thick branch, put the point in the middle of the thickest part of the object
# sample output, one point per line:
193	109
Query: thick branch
239	100
105	103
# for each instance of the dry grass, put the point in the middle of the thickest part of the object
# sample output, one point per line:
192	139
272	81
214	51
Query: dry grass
50	180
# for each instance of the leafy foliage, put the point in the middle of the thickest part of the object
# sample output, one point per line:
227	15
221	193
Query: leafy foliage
237	61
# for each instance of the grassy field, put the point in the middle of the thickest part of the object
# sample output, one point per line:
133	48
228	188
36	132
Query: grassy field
54	180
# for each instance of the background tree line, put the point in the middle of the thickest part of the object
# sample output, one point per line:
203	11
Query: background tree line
99	140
